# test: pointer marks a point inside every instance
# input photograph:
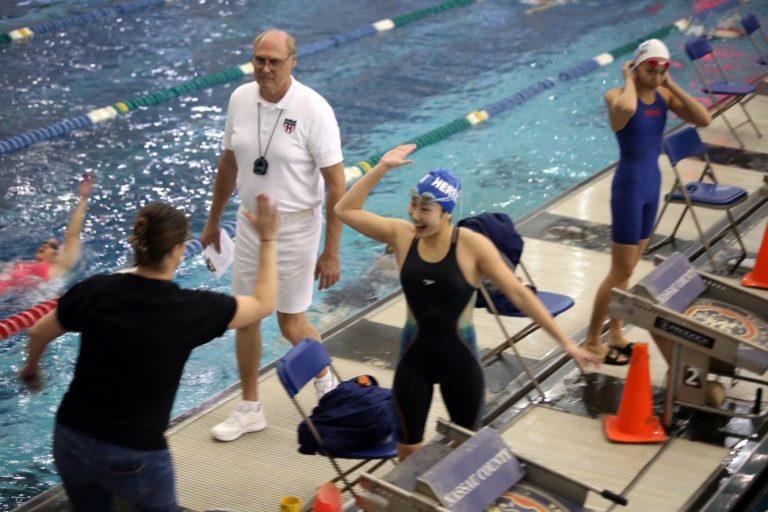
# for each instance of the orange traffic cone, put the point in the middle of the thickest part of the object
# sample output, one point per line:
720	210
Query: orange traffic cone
635	422
758	278
328	498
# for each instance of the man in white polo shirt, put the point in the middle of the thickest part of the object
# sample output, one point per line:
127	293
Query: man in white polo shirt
282	138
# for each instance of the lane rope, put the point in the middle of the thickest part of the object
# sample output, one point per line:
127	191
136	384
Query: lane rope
100	115
354	171
100	15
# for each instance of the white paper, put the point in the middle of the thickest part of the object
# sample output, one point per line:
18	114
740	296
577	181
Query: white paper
221	260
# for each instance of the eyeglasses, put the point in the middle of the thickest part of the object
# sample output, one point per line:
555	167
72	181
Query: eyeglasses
660	67
274	64
53	244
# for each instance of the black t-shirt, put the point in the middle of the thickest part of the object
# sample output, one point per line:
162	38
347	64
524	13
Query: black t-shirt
137	334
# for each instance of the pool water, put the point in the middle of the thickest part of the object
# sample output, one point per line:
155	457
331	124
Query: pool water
385	90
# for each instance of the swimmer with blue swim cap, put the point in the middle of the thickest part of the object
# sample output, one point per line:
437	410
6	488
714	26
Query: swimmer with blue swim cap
440	186
440	268
433	200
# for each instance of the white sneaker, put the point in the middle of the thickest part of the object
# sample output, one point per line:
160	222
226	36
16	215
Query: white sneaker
240	421
324	385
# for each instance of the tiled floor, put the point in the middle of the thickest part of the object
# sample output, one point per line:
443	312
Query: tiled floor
577	447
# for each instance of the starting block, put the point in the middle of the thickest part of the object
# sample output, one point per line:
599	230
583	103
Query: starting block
465	471
704	325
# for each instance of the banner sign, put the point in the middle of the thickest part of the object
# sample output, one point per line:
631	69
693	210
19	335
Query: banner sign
473	475
674	283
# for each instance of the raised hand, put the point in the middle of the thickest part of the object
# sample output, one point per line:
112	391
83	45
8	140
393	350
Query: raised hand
626	69
668	81
86	184
265	222
396	157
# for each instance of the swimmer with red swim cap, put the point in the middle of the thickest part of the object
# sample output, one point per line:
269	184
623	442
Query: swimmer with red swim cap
51	260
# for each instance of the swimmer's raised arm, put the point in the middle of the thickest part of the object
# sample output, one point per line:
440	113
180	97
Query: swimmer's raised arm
70	252
684	105
622	101
350	207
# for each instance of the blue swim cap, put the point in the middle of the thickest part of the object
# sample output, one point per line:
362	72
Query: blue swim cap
441	186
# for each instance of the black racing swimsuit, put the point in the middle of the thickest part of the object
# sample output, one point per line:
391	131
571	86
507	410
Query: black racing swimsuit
438	345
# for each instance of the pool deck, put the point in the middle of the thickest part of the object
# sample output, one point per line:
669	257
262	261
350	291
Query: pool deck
566	251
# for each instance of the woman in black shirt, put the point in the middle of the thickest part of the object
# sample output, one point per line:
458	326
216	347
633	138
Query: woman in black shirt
137	330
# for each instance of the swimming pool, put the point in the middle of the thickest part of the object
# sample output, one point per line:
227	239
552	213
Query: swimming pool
385	89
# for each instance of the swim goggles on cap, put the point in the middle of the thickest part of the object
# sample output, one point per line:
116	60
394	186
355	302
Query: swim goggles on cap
656	63
428	197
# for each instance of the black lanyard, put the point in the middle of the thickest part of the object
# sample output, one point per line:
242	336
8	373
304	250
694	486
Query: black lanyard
260	165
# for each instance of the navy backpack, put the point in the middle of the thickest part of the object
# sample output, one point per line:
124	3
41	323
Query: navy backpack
356	415
500	229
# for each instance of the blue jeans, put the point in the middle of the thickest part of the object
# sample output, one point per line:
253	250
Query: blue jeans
93	472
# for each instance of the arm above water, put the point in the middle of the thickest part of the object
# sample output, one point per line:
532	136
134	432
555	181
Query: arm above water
70	252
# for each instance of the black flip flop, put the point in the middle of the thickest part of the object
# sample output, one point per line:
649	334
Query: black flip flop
615	357
626	349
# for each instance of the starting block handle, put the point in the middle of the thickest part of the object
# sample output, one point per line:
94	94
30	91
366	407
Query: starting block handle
616	498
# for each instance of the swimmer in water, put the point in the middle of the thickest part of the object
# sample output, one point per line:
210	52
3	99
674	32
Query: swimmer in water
52	259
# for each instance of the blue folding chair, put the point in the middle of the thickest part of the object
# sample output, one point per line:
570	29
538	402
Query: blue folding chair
555	303
739	93
510	245
684	144
753	29
295	369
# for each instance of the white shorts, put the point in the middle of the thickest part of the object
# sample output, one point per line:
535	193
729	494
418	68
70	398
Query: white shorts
298	240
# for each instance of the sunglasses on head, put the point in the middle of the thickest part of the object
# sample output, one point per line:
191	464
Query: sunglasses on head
656	63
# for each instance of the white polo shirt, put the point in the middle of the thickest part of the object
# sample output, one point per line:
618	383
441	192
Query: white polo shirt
306	138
